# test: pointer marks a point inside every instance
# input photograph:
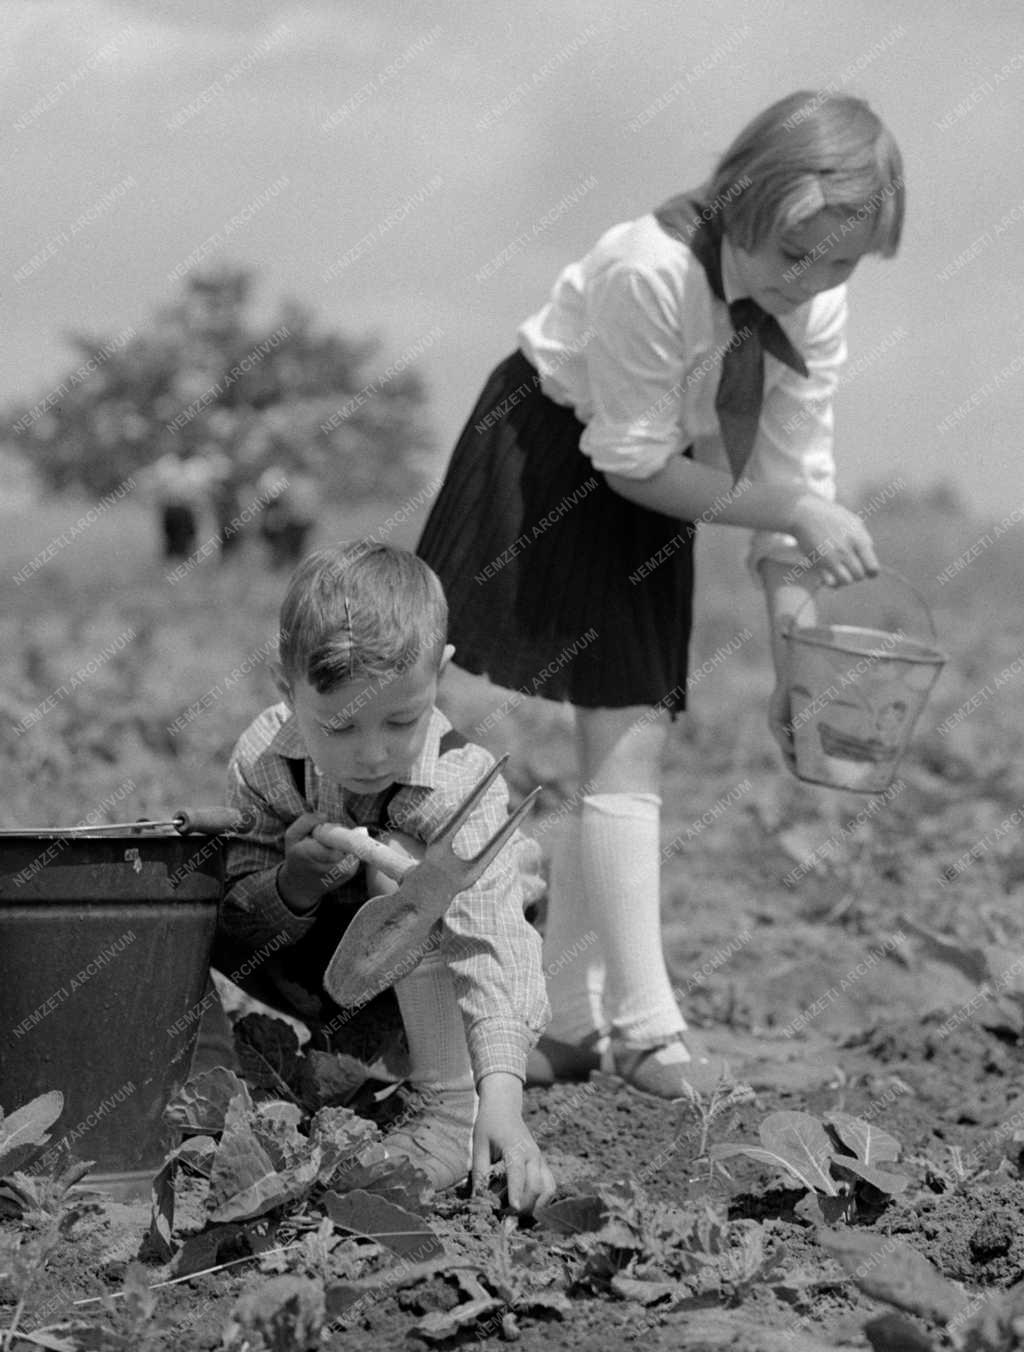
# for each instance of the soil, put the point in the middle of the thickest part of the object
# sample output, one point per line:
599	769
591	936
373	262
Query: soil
822	991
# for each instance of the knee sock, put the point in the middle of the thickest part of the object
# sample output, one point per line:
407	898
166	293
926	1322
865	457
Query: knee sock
573	958
438	1053
621	871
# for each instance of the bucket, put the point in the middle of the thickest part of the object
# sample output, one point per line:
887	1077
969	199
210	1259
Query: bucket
105	940
856	692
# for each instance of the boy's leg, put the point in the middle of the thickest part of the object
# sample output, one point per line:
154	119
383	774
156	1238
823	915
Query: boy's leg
621	752
436	1133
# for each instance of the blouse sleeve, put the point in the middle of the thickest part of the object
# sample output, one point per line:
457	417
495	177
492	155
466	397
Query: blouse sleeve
643	342
795	436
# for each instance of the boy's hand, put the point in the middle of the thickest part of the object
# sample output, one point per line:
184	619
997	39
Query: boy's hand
501	1134
310	868
835	540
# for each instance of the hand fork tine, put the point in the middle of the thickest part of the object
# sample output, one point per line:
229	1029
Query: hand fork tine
451	827
391	933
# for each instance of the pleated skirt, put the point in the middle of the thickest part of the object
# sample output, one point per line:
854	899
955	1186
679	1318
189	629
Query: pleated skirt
557	586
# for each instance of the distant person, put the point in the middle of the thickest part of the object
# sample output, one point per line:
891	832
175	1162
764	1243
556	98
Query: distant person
681	371
290	512
226	503
181	483
358	740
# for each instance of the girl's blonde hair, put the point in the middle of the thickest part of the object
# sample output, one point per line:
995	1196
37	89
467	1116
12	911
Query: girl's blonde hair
805	154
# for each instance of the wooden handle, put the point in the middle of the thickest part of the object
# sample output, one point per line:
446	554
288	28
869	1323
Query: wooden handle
357	840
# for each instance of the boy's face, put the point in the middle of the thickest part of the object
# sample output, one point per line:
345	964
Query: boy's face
365	733
815	256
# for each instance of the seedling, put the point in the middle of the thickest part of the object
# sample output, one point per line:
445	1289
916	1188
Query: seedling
725	1094
838	1162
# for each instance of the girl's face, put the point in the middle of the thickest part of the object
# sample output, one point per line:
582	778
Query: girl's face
817	255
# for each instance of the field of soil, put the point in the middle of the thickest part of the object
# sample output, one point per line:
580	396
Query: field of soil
849	956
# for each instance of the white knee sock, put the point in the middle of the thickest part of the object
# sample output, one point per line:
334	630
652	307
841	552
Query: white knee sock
438	1053
573	959
620	849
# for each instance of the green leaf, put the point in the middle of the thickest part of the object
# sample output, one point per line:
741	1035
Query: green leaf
244	1182
813	1178
870	1144
201	1104
366	1214
27	1128
802	1141
573	1215
878	1178
196	1153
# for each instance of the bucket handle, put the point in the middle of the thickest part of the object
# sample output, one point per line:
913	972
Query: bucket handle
790	624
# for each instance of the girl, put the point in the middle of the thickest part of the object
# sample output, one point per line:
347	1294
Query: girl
655	389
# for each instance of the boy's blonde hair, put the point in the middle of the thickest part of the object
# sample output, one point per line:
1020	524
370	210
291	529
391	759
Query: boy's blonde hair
805	154
357	610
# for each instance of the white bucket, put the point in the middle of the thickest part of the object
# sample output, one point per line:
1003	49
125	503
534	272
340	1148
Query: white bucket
855	695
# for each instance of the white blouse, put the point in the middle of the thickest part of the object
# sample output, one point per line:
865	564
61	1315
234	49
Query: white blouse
632	340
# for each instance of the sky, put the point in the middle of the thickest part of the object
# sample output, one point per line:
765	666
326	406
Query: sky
423	172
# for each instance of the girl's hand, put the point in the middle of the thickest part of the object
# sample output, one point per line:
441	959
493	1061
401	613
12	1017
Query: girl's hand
501	1134
779	716
310	868
835	540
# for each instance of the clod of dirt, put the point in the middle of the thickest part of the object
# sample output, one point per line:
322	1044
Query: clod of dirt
994	1236
971	1233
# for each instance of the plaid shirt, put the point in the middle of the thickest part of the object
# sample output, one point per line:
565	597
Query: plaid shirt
492	951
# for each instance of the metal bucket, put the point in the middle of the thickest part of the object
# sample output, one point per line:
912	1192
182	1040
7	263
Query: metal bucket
105	944
856	693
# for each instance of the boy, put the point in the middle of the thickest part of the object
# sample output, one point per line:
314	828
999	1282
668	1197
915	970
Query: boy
358	741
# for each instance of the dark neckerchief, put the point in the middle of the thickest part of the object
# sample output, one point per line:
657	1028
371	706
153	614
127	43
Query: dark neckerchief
741	387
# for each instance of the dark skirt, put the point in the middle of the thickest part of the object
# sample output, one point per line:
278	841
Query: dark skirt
557	586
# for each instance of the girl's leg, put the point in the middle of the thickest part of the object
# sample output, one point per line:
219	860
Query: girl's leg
621	753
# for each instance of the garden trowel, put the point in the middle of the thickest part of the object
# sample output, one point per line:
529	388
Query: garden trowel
389	934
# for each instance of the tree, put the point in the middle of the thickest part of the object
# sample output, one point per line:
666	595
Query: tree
203	376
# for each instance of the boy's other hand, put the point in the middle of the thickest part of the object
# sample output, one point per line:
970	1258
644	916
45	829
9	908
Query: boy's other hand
501	1134
310	868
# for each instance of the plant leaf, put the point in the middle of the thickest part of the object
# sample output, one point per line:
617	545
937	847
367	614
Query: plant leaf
440	1325
878	1178
870	1144
269	1052
573	1215
201	1104
801	1140
329	1079
366	1214
892	1271
809	1178
244	1182
221	1243
197	1153
27	1128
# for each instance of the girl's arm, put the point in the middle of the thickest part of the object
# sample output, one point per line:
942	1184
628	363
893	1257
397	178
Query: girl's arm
834	539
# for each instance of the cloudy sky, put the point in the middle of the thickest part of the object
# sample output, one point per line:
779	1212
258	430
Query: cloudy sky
424	170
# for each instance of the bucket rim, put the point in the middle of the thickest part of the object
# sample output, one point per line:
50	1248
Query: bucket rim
926	652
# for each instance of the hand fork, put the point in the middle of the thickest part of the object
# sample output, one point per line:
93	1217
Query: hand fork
390	934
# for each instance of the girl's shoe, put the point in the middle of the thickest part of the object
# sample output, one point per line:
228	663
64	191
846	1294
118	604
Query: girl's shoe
661	1070
552	1060
436	1135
